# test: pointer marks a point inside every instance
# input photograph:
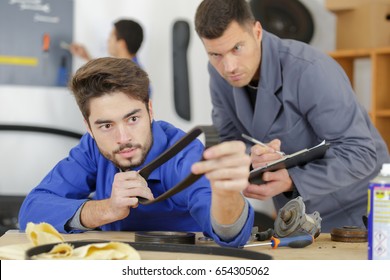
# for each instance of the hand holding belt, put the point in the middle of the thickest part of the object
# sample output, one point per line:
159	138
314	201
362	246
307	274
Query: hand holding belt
211	138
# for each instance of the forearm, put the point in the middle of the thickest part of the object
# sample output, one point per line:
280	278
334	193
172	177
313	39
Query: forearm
229	232
226	206
96	213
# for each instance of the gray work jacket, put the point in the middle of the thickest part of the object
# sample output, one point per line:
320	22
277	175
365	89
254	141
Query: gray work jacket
305	97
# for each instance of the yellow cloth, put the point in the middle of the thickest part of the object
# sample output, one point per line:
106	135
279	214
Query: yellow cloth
44	233
94	251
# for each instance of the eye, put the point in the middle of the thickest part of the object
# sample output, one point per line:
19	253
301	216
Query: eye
214	55
133	119
105	126
237	48
215	58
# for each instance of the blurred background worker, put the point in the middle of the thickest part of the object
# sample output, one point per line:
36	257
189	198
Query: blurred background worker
124	41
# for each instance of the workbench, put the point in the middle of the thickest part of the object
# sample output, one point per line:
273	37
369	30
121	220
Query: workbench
322	249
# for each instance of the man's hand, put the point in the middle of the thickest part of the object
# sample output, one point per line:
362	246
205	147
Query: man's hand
226	165
80	51
125	189
260	155
276	181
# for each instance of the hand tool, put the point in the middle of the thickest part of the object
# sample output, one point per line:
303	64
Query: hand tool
297	240
264	235
255	141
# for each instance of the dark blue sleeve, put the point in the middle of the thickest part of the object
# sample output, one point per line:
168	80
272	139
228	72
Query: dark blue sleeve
64	189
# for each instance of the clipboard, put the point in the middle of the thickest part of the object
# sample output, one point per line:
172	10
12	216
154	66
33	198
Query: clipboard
296	159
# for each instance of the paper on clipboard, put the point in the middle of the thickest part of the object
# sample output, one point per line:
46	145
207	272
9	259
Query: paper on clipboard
296	159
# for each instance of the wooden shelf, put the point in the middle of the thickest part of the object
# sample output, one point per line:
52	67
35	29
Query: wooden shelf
383	113
380	82
359	53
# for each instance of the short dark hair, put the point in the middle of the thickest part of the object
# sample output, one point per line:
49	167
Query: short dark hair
214	16
108	75
131	32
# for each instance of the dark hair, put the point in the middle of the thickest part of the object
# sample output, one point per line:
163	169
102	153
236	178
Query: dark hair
108	75
131	32
214	16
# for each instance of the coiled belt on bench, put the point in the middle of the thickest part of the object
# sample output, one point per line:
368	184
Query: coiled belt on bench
211	138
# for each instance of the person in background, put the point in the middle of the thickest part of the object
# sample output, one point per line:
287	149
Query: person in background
97	186
124	41
291	96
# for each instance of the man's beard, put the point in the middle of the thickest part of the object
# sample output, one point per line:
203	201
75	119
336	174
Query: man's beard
144	152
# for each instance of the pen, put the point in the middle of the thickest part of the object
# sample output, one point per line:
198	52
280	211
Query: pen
255	141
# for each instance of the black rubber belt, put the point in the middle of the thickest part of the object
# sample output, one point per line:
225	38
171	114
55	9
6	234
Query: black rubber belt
211	138
174	248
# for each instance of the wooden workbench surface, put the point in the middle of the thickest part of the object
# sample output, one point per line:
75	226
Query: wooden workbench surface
322	249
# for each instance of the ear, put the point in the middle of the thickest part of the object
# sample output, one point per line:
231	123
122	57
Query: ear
122	44
258	31
88	128
150	110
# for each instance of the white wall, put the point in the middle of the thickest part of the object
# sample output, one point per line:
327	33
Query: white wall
26	157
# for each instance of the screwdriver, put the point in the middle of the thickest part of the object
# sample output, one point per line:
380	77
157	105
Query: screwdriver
297	240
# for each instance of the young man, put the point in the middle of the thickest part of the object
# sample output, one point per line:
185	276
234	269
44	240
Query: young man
98	185
292	96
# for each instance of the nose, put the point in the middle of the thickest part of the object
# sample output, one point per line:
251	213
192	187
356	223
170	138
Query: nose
229	64
124	134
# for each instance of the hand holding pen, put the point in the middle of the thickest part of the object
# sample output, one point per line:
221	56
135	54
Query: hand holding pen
255	141
276	182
